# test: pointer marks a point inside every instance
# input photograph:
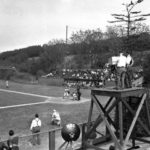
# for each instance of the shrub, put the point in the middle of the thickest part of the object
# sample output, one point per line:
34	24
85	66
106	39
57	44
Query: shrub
22	77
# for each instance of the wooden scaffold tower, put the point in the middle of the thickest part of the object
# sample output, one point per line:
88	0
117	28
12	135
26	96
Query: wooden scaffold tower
124	114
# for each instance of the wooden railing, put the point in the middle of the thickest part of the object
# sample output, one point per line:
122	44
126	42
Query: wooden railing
51	135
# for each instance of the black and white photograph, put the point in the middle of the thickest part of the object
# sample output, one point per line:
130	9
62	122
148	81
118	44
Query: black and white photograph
74	75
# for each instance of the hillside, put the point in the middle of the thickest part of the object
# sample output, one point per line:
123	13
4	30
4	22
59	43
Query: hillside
85	52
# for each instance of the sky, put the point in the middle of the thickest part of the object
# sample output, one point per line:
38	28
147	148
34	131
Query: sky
26	23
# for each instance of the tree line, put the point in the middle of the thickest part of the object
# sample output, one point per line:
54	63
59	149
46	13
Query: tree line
84	50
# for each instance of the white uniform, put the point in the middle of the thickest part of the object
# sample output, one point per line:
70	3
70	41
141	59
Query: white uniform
56	118
129	60
122	61
66	93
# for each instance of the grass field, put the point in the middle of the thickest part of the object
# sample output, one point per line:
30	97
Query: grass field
21	107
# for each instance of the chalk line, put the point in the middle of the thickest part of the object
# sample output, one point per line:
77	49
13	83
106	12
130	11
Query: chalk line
21	105
30	94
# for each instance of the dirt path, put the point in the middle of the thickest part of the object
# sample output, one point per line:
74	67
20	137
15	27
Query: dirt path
48	99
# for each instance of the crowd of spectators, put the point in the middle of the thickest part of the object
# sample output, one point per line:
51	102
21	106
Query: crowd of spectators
89	77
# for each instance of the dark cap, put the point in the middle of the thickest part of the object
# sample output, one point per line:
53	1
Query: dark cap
36	115
11	132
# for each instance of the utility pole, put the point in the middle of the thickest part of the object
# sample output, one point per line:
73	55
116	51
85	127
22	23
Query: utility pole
66	34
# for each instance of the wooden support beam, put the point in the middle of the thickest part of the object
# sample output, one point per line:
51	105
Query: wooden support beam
104	111
134	120
83	147
109	101
90	112
52	140
148	113
121	122
107	124
96	123
138	119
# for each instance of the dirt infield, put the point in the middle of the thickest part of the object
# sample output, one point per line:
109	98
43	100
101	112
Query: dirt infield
60	100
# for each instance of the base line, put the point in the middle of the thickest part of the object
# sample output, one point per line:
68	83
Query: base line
21	105
29	94
37	95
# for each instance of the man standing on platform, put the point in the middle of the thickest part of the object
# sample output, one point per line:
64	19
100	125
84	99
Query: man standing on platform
130	63
121	71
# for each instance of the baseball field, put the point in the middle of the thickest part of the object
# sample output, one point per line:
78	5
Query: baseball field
20	102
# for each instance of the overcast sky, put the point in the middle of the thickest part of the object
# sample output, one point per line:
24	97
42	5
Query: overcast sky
35	22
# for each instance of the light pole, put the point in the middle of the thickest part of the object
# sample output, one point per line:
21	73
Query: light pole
66	34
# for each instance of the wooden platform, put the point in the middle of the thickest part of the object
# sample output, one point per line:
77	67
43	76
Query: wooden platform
135	91
119	100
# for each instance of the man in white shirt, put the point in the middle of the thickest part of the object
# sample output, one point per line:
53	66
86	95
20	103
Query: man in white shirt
35	128
130	60
56	120
121	70
130	63
122	61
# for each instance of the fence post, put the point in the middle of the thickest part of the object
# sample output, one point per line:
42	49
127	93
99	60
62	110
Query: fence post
83	137
52	140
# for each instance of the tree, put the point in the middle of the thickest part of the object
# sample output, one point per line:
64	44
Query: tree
114	38
52	57
130	18
140	28
85	41
86	36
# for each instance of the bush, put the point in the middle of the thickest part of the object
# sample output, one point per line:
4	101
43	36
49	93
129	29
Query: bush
22	77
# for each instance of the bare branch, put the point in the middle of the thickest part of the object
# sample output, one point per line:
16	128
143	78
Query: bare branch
145	15
141	15
119	18
139	19
139	1
119	15
133	28
117	21
135	12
